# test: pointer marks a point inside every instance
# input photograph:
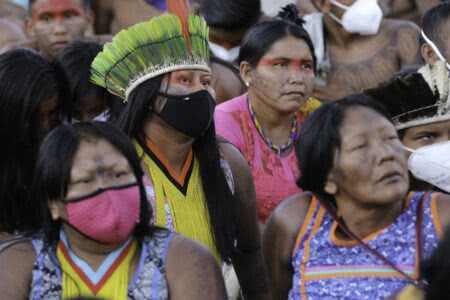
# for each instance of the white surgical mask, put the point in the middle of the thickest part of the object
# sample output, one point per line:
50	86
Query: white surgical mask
362	17
435	49
431	164
229	55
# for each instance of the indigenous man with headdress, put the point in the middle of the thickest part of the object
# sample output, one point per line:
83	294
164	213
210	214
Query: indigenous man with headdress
420	105
199	187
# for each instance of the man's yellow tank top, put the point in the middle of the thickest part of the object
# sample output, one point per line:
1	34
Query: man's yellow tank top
181	195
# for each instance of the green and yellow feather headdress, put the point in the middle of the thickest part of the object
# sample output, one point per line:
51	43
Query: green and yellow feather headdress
164	44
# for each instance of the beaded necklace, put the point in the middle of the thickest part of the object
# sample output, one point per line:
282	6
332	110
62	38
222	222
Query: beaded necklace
277	148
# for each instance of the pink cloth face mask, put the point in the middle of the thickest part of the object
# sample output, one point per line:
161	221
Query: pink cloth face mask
107	215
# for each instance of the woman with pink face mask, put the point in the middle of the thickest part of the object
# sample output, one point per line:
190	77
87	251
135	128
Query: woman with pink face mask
96	240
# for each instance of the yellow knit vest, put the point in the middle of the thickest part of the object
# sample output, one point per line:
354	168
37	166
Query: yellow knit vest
186	199
114	284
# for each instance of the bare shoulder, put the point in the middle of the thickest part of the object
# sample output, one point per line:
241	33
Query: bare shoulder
16	265
239	166
405	36
192	272
17	251
181	246
232	154
290	213
242	176
396	24
279	241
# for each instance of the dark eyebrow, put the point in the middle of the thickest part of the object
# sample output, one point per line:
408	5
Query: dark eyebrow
45	13
426	132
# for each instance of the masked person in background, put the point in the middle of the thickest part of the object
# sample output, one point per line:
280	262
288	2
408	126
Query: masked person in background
228	22
199	188
88	100
356	48
96	239
411	10
420	105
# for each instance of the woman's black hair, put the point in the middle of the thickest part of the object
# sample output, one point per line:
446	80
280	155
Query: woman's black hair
320	139
260	37
231	15
27	80
74	62
222	204
54	165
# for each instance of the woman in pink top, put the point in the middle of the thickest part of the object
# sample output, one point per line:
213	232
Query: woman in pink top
277	63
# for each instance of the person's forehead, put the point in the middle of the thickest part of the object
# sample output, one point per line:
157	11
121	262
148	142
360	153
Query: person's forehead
289	47
41	6
190	72
95	153
359	120
443	126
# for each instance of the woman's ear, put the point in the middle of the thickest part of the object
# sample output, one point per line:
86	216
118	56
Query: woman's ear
330	188
330	185
57	210
246	72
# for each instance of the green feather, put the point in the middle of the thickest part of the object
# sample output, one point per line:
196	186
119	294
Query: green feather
148	48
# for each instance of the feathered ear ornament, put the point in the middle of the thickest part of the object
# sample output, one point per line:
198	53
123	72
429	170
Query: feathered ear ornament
438	80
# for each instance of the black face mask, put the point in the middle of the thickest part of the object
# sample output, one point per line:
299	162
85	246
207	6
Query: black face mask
190	114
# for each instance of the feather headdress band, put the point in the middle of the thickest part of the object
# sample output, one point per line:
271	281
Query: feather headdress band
164	44
416	99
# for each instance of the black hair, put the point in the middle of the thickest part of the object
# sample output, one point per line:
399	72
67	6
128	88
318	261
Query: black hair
435	270
222	205
260	37
27	80
55	161
434	24
86	5
74	62
320	139
231	15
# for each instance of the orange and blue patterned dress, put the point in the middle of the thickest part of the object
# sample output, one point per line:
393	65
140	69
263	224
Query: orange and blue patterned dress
326	267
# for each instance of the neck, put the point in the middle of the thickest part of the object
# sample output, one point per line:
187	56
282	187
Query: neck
336	34
363	221
272	121
172	143
92	252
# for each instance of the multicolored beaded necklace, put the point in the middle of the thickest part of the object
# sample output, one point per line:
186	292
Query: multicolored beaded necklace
277	148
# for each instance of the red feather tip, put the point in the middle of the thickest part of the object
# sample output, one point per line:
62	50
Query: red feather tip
182	9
